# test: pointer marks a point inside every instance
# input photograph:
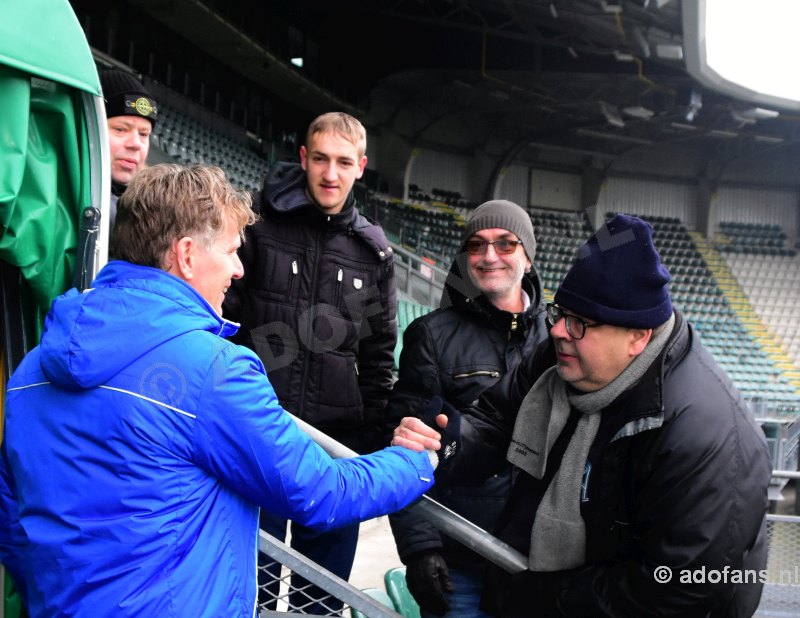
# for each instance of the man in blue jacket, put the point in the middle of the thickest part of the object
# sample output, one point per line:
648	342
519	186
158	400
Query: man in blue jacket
140	443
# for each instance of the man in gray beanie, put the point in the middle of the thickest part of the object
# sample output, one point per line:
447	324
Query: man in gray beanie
638	463
131	115
506	215
491	316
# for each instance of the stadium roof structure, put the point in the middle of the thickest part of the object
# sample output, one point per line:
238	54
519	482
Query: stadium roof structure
556	83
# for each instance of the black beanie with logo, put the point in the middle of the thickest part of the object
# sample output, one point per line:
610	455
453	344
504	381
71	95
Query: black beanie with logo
126	96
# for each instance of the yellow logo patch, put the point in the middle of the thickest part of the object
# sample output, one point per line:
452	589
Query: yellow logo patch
143	106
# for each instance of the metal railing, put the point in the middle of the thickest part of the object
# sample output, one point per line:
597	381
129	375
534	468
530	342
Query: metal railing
455	526
417	279
780	598
339	595
283	600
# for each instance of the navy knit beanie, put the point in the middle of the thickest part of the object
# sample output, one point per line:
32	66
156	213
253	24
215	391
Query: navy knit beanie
507	216
618	277
125	95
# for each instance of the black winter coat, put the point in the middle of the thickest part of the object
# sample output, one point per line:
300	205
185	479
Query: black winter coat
457	352
317	303
678	477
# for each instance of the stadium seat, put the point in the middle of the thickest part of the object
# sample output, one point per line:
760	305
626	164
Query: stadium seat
378	595
397	587
407	312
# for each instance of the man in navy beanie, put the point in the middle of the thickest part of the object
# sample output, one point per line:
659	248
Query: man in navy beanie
131	115
639	464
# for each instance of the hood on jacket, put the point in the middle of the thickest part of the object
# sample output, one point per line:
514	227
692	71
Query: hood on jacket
91	336
284	188
284	193
461	293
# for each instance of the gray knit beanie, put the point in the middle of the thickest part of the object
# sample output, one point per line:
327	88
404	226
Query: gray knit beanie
507	216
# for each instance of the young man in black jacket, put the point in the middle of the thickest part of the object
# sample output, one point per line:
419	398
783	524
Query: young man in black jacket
642	474
317	303
491	316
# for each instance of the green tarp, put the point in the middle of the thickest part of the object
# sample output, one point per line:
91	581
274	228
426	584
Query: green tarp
44	38
45	65
44	182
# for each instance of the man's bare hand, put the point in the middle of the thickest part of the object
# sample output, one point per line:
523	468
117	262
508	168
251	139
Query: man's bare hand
413	434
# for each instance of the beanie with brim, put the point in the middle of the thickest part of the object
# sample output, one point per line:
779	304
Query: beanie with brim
507	216
618	277
126	96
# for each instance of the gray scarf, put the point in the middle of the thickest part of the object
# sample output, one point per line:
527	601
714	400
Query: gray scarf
558	537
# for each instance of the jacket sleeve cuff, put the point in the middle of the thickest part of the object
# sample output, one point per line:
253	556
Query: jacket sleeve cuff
434	458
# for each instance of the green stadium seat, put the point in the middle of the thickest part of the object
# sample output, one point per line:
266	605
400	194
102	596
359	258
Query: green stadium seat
397	587
378	595
407	312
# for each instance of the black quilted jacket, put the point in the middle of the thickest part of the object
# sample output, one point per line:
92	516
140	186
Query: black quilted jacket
678	477
458	351
317	304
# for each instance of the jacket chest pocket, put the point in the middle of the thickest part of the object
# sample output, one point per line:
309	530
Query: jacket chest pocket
352	291
279	274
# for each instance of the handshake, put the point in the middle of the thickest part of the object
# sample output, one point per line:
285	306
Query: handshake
420	433
426	572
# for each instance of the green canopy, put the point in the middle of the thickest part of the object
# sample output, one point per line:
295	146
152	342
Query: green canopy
48	147
44	38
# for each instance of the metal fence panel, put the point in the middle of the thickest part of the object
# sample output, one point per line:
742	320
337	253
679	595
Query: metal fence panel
781	596
338	591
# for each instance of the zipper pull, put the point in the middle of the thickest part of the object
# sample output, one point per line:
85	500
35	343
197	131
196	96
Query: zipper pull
513	325
339	276
294	267
356	366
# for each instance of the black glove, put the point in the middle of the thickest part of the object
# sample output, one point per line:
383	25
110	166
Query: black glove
451	435
428	580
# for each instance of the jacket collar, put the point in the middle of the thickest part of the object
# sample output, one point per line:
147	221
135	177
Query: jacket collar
643	405
480	305
87	337
284	192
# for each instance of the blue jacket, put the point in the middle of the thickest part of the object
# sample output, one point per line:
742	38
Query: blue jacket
140	444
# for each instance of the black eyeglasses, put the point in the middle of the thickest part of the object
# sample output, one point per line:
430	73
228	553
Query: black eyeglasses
478	246
576	327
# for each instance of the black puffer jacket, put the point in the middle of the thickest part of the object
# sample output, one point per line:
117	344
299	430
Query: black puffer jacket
678	477
458	351
317	304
